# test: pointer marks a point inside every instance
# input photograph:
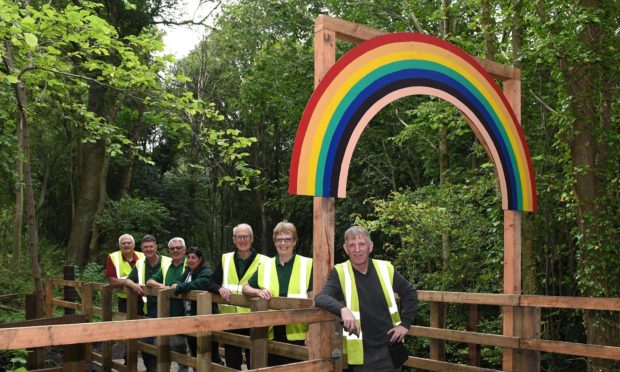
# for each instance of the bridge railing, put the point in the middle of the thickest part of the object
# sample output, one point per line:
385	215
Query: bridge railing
130	328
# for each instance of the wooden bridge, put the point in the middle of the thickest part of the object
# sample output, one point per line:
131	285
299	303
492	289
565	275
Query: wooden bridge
105	326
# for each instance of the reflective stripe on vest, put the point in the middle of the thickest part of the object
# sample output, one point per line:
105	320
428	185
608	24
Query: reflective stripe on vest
141	267
230	279
268	278
353	345
123	268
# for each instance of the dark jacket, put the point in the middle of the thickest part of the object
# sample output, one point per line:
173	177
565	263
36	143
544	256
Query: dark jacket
200	278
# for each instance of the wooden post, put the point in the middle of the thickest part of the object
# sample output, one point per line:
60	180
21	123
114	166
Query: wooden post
530	329
49	296
438	320
473	354
131	346
203	340
87	309
68	273
258	336
36	357
106	316
163	342
512	281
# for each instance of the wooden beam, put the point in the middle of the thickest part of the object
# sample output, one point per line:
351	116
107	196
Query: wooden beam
438	320
434	365
346	30
469	298
258	336
512	280
308	366
569	348
557	302
466	337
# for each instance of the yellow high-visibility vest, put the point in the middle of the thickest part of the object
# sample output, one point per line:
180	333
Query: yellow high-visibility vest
231	280
353	345
164	261
123	268
297	288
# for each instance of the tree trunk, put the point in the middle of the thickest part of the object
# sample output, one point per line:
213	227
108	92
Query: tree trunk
18	218
93	246
33	233
89	185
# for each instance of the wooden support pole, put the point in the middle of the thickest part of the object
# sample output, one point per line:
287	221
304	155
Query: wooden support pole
473	353
106	316
35	356
49	297
438	320
68	273
87	310
204	301
131	346
258	337
163	342
512	282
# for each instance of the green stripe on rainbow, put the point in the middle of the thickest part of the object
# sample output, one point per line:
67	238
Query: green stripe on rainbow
390	67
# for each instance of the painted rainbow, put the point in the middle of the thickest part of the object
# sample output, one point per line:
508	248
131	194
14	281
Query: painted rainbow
384	69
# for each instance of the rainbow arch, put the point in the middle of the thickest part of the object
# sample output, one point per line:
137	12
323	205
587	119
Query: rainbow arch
384	69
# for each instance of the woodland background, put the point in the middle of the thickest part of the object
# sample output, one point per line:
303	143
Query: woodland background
101	134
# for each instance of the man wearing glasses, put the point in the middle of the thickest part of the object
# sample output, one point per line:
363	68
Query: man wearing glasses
164	278
235	269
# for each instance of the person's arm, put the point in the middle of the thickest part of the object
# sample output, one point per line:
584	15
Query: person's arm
156	280
214	285
132	282
110	273
251	288
330	299
197	283
409	303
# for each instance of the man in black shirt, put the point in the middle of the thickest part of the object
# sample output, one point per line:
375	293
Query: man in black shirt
370	316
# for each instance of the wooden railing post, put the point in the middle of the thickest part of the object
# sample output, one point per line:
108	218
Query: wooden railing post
36	356
131	349
258	336
87	309
106	316
203	340
163	342
68	273
438	320
473	354
528	328
49	296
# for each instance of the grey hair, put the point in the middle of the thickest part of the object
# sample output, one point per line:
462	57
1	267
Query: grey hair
243	225
126	235
177	239
354	231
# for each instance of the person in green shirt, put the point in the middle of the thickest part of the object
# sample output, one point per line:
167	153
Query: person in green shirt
285	275
164	278
141	272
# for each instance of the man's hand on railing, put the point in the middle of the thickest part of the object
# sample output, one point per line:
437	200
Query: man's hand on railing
136	288
225	293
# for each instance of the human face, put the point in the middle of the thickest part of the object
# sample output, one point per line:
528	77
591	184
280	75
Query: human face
149	249
127	246
358	249
193	261
243	239
284	245
177	251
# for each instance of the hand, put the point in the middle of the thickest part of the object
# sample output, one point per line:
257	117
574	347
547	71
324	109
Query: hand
173	286
397	333
263	293
225	293
348	321
136	288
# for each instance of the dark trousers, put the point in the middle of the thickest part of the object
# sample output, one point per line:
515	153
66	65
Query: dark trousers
234	354
280	335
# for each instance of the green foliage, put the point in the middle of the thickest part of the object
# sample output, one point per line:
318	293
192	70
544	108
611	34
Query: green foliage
13	360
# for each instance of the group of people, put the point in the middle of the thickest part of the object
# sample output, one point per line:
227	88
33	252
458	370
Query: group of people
361	291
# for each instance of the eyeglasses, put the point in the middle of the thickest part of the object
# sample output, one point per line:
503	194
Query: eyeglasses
241	237
178	248
284	240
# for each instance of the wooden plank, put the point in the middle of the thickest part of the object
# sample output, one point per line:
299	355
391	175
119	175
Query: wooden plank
307	366
49	296
469	298
473	350
87	310
258	336
499	71
163	341
324	52
438	320
346	30
560	302
131	346
106	316
66	304
288	350
65	319
569	348
203	339
232	339
435	365
512	277
465	337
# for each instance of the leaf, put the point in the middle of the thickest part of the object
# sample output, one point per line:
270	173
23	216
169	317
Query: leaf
31	40
12	79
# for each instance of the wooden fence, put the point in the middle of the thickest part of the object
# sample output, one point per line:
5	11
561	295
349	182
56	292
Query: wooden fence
129	327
